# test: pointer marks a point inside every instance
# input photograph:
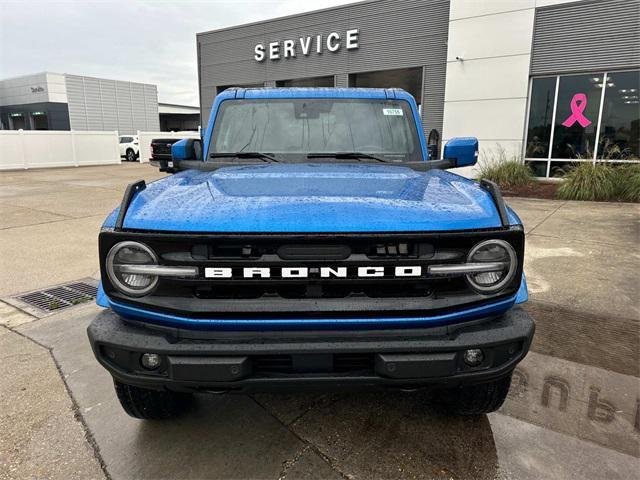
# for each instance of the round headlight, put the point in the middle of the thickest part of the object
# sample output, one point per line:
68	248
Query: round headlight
494	252
126	254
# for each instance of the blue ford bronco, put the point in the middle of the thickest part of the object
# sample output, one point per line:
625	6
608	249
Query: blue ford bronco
309	242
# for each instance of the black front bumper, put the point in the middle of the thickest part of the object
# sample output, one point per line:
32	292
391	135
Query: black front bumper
261	361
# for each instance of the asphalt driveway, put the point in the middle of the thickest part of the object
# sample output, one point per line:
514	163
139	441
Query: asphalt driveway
573	411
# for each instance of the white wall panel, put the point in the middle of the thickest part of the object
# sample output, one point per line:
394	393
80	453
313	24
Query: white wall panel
473	8
498	77
56	87
12	156
44	149
58	97
486	94
491	35
501	119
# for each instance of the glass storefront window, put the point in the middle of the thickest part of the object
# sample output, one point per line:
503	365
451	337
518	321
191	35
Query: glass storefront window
17	121
559	169
539	168
583	129
620	124
39	121
577	116
540	117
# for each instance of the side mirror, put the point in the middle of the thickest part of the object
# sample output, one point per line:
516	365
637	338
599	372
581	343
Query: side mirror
462	151
187	149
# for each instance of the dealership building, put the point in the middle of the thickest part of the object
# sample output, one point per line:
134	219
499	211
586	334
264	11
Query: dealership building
550	81
59	101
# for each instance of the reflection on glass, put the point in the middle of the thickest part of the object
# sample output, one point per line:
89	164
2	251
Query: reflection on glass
539	168
39	121
560	169
620	126
540	117
577	115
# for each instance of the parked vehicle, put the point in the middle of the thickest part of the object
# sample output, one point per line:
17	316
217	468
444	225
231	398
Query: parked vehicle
161	152
129	147
313	244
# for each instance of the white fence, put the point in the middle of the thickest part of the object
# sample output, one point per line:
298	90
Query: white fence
52	148
145	138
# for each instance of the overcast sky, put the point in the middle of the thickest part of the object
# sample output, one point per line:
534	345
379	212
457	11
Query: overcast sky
150	41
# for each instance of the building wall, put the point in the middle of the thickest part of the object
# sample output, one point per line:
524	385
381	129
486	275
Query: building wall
586	36
37	88
486	91
503	43
589	49
101	104
477	57
93	103
392	34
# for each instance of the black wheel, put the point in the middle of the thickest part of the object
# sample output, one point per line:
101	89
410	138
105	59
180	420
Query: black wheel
131	155
150	404
475	399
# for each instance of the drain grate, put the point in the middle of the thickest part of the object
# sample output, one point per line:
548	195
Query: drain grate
57	298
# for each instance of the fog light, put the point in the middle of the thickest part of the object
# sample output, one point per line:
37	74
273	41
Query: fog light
473	357
150	361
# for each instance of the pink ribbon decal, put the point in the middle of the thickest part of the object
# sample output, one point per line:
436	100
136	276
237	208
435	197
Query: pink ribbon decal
578	104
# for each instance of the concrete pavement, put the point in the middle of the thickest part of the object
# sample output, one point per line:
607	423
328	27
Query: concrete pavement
539	433
43	209
37	408
572	413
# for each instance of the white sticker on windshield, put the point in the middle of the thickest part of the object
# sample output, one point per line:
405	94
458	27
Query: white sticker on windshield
392	111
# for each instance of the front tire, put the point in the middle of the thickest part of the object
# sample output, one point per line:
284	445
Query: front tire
475	399
150	404
131	155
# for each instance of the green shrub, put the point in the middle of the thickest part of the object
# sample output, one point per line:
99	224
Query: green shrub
601	182
588	181
507	173
628	183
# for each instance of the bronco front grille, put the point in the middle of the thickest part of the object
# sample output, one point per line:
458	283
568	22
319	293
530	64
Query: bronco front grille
349	295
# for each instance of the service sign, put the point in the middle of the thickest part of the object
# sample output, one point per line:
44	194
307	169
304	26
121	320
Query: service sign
307	45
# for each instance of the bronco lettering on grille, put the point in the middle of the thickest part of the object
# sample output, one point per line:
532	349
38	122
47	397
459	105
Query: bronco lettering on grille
313	272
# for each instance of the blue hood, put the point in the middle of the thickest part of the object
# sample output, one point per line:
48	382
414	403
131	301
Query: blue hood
311	198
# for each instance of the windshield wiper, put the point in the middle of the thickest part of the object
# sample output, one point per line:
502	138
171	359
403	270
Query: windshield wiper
354	155
262	156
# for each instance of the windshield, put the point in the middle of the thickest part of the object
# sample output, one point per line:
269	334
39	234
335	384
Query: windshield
293	128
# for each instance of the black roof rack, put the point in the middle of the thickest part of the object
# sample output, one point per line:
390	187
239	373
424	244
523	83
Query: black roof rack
496	196
129	193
